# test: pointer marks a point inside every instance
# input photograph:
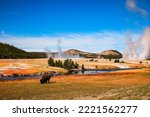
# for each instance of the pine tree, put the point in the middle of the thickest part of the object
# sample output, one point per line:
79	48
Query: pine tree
76	66
61	64
82	69
66	63
56	64
51	61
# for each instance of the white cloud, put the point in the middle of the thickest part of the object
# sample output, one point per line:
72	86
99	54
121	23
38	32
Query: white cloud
131	5
92	42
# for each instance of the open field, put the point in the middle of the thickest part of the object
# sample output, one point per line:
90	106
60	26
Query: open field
127	84
10	67
26	66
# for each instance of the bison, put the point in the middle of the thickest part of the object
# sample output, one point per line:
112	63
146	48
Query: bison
46	77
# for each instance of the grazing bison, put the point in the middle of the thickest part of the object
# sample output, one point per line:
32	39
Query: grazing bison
46	77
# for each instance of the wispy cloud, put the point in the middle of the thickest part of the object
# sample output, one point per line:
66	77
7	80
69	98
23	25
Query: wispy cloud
92	42
2	33
131	5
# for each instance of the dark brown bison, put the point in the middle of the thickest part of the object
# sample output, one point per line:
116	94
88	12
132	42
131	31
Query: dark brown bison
46	77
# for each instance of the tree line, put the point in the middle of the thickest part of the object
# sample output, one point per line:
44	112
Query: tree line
67	64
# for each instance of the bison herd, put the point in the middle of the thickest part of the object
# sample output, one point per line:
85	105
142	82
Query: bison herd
46	77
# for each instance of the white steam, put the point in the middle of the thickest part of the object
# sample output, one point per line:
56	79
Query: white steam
131	50
48	52
145	43
60	53
138	49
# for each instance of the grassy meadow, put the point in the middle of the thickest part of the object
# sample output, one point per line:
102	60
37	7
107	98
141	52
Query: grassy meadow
127	84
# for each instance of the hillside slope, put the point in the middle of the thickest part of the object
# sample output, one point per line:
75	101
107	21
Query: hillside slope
81	53
113	54
9	51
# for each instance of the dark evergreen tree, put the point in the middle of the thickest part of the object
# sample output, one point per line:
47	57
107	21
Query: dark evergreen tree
68	64
51	62
82	69
60	64
76	66
56	63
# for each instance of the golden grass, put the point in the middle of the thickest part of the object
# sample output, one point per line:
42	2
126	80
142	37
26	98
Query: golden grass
31	66
26	66
93	64
128	84
4	64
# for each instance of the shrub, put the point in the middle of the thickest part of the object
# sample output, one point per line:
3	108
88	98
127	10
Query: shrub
116	61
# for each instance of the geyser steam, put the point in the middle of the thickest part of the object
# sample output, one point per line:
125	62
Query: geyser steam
145	43
60	53
139	49
131	51
48	52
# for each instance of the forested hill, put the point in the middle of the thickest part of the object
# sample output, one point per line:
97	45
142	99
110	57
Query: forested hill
9	51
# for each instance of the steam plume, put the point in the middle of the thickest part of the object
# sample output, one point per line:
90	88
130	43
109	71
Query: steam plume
48	52
60	53
139	49
131	51
145	43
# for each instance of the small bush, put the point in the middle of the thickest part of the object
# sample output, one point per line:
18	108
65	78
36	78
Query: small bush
116	61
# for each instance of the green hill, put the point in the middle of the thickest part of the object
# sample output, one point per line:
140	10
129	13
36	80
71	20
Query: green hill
9	51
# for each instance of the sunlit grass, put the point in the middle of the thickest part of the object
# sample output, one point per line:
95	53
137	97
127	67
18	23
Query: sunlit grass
128	84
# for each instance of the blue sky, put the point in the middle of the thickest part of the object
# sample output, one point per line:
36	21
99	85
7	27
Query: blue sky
72	21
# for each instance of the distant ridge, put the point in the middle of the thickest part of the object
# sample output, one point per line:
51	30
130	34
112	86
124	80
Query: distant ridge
9	51
113	54
81	53
107	54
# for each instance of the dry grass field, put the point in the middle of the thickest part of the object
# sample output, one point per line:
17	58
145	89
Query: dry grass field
33	66
124	84
129	84
25	66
